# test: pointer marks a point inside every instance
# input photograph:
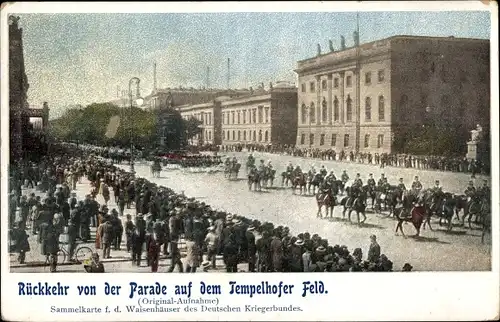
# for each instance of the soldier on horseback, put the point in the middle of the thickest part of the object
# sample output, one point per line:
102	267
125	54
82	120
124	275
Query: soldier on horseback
484	191
382	181
289	168
331	177
297	172
323	171
371	182
358	183
416	186
344	177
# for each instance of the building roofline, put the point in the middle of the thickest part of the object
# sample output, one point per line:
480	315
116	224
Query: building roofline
412	37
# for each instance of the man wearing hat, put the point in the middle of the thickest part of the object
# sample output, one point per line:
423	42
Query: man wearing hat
73	225
401	184
72	200
407	267
382	181
416	186
138	239
211	243
374	250
485	190
175	226
105	231
251	248
276	249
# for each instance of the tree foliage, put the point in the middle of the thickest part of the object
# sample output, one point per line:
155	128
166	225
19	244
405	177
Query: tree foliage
142	127
193	127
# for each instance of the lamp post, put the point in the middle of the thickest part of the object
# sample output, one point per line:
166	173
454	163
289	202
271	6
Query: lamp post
138	101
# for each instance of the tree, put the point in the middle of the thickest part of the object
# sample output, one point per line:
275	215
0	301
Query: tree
192	127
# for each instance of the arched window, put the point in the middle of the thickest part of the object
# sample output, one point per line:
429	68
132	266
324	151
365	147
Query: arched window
312	113
368	109
303	113
260	135
239	135
234	136
266	136
324	112
348	109
244	135
336	109
381	108
254	136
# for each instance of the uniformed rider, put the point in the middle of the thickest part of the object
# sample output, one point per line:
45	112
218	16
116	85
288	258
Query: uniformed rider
323	171
344	177
401	184
416	185
485	190
371	182
357	181
289	168
382	181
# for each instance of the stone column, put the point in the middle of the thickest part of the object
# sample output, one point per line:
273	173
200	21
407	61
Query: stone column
318	100
342	97
329	102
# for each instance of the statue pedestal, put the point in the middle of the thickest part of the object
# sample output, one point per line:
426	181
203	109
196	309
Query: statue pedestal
473	150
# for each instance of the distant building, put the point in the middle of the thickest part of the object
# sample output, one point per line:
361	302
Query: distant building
404	81
22	138
260	117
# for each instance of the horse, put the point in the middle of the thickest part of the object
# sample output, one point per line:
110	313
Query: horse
327	199
268	177
415	211
233	170
299	181
460	204
486	216
249	165
370	193
314	181
354	202
286	177
156	169
253	179
446	209
473	208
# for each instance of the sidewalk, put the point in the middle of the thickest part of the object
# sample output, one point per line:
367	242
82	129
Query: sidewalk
34	258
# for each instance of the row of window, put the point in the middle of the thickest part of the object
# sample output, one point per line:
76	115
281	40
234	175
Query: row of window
254	115
311	110
204	118
242	136
333	140
348	81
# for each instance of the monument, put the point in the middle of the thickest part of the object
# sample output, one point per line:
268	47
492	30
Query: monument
475	147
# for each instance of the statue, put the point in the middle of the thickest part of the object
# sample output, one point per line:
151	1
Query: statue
477	134
319	49
356	38
331	45
342	42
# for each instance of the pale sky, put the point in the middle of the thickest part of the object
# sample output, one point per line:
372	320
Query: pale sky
82	58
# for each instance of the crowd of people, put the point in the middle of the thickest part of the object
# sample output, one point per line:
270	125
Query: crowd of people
440	163
163	220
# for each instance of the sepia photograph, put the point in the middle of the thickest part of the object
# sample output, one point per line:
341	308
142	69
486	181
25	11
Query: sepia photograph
249	142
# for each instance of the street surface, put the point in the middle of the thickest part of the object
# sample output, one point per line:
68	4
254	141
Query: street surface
458	250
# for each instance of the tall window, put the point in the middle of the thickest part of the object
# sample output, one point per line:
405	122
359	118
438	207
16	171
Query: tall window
254	115
266	136
334	140
336	82
349	109
381	75
368	78
254	136
322	139
266	115
346	140
302	139
312	113
312	87
244	135
323	85
368	109
311	139
234	135
380	140
303	88
381	108
348	81
324	111
367	140
303	113
232	117
239	135
223	118
260	135
244	116
336	109
239	118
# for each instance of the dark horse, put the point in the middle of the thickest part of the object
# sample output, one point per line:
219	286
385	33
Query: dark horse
354	201
410	211
327	199
254	179
486	214
446	209
286	177
314	181
299	181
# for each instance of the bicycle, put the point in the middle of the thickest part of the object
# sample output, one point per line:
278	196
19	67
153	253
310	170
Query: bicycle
81	253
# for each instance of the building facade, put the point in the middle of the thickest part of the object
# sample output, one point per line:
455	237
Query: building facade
264	118
209	116
361	98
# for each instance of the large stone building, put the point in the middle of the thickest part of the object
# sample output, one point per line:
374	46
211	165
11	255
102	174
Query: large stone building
260	117
363	98
22	138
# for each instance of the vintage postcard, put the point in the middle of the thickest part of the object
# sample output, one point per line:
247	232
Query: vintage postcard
354	140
